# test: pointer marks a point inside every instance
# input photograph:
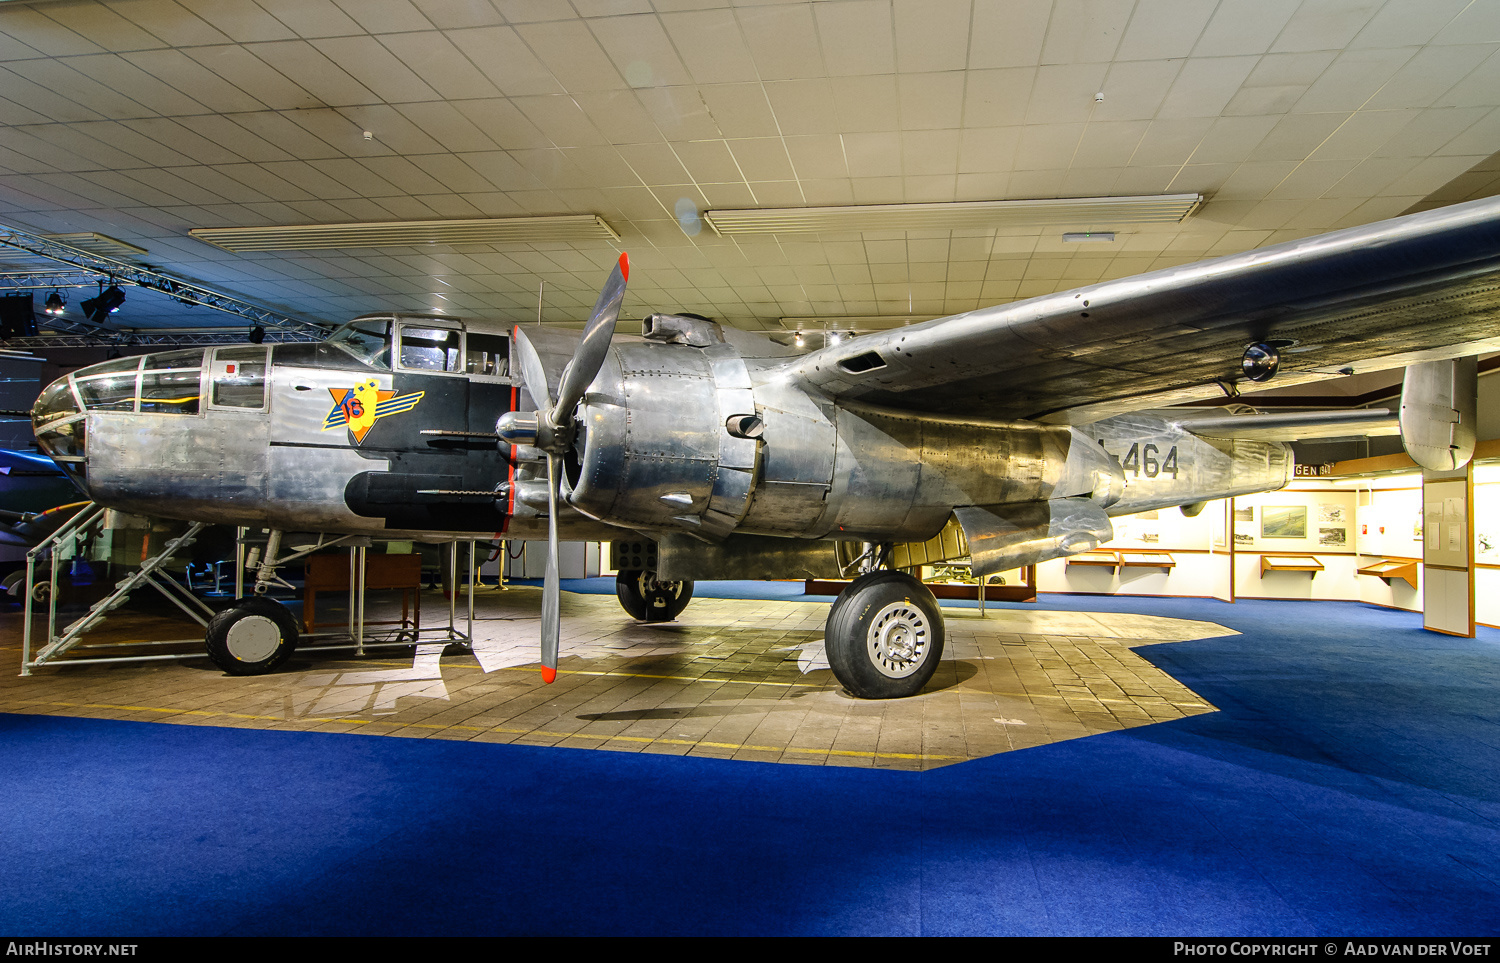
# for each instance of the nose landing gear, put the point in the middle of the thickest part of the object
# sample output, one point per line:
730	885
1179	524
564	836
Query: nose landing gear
254	637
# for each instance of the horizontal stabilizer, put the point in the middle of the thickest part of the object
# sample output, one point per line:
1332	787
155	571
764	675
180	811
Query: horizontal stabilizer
1295	425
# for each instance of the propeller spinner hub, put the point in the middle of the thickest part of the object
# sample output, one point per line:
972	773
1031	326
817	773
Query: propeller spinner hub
519	427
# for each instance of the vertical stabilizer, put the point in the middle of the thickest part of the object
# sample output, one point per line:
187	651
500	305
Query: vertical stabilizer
1439	400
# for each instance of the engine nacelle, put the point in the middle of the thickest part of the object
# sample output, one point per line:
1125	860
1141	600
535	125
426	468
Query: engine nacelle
687	438
656	449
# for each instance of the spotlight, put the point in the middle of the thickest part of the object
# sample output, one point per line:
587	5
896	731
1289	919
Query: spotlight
107	303
257	334
834	337
55	304
798	340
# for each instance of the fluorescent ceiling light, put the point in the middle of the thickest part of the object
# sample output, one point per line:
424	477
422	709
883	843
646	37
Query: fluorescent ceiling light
489	230
1077	237
871	322
96	243
1070	211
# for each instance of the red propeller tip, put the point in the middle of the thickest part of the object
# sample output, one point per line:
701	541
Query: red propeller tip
548	675
625	265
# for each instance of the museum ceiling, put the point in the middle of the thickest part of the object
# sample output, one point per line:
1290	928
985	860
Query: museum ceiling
140	121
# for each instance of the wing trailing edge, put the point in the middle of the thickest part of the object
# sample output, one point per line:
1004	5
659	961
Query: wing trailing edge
1295	425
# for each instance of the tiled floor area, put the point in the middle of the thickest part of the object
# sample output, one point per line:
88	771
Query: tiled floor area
730	679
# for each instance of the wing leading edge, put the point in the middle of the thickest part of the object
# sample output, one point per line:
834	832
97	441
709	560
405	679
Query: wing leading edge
1412	288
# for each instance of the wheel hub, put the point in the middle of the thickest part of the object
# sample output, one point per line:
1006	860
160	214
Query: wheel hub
899	640
253	638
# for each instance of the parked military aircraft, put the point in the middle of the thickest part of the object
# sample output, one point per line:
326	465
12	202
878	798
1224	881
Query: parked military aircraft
708	452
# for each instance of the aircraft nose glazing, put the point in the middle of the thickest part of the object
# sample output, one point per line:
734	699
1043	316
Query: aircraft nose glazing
164	383
57	420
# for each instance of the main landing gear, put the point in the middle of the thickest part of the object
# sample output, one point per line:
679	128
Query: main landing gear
644	598
884	636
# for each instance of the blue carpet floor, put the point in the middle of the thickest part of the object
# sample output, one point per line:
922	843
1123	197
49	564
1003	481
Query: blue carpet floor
1348	786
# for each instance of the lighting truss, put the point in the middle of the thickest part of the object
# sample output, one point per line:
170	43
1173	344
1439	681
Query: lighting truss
187	339
125	273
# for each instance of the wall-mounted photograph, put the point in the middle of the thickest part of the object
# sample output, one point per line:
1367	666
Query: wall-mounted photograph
1283	521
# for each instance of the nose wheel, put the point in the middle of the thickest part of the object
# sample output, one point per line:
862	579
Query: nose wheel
254	637
884	636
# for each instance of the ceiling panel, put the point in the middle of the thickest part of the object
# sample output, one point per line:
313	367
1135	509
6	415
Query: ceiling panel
144	119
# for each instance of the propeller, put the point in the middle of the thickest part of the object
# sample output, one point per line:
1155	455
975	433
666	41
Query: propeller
550	428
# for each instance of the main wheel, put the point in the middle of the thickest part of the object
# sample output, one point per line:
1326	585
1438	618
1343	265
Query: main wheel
643	597
254	637
884	636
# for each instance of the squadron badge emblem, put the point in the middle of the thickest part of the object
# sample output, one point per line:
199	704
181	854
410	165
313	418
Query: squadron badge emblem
358	408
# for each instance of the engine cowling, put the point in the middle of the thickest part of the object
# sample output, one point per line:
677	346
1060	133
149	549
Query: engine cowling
664	439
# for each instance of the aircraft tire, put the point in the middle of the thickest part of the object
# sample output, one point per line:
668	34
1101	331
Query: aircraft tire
253	637
645	599
884	636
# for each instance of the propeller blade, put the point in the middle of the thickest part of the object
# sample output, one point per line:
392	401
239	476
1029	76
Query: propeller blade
594	347
550	602
532	371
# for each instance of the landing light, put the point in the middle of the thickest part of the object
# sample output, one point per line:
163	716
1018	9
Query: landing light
1260	362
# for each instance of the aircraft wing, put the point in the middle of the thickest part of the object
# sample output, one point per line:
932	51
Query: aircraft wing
1421	287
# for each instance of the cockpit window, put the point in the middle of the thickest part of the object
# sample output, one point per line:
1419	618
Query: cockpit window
368	341
489	354
170	383
170	392
110	392
172	360
431	349
109	386
239	377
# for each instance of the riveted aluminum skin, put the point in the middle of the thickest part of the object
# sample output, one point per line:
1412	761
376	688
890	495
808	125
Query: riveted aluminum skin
1164	464
216	467
274	466
866	473
650	441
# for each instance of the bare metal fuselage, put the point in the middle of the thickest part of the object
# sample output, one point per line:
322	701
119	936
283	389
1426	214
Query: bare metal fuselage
664	448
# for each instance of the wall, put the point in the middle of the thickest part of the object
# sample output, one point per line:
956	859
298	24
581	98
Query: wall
1324	516
1197	547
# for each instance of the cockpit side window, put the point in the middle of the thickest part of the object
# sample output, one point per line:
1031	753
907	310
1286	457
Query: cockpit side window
368	341
171	383
431	349
110	386
488	355
239	377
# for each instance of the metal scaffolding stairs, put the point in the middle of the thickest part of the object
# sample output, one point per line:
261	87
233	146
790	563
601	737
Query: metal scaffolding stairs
148	574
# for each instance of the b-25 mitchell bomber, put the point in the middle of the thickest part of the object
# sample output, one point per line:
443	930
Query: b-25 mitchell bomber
708	452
